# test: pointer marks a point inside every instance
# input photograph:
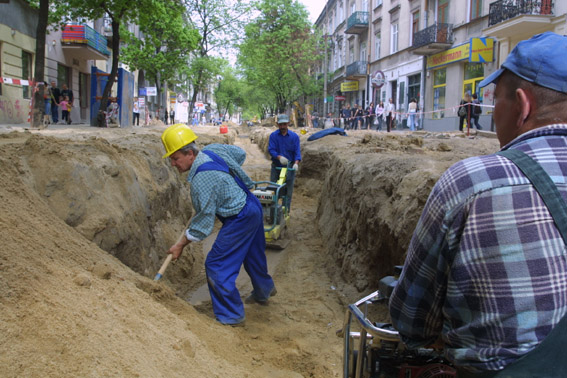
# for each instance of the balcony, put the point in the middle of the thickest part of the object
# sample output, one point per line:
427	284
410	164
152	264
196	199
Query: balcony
517	17
82	41
503	10
356	69
357	23
433	39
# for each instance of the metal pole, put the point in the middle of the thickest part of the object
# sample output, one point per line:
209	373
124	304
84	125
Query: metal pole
325	68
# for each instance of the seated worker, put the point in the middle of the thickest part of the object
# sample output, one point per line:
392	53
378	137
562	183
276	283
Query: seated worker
283	147
486	269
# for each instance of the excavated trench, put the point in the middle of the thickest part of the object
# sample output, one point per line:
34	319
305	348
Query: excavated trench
356	203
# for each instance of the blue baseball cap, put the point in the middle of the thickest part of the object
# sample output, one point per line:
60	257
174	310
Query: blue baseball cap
540	60
283	118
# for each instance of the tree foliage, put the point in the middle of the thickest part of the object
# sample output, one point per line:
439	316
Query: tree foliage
220	24
278	51
168	38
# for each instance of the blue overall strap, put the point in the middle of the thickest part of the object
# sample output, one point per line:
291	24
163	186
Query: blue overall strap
544	186
218	164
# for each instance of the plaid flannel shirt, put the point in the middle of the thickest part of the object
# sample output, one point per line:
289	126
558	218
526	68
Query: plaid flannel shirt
486	268
215	192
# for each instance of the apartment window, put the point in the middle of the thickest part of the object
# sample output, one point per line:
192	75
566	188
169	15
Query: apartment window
340	54
414	25
443	11
394	39
351	54
476	9
365	5
352	7
63	76
377	45
377	3
26	72
439	86
341	13
363	55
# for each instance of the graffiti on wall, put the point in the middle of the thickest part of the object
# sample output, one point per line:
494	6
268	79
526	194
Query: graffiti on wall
13	110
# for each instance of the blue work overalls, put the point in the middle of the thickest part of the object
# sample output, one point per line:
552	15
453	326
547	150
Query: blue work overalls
240	240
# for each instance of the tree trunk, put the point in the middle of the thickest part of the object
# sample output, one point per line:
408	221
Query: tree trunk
101	118
38	102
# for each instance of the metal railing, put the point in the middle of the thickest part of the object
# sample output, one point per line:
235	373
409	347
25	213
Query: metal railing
357	18
503	10
83	34
436	33
357	68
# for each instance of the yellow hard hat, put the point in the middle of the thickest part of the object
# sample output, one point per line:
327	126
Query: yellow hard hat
175	137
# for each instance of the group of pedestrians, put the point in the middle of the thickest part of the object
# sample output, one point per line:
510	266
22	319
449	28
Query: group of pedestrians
375	117
469	110
55	98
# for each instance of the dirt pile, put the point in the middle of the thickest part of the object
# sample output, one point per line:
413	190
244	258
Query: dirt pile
87	215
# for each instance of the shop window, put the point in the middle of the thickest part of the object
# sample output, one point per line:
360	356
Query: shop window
414	82
439	87
474	73
26	72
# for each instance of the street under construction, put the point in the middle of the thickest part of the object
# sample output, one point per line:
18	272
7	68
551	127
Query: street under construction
89	213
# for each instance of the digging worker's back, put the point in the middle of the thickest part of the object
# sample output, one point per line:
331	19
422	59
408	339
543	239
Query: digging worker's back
284	149
219	187
486	269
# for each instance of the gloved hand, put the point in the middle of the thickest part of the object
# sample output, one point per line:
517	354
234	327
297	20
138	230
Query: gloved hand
283	160
296	166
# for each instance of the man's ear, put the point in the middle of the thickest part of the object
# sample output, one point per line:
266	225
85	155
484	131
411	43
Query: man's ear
524	102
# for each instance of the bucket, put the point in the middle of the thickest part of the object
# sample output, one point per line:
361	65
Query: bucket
224	129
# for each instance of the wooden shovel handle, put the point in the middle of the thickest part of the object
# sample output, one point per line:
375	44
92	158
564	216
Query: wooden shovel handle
163	267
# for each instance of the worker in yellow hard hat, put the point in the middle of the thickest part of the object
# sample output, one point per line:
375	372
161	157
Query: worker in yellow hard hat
220	187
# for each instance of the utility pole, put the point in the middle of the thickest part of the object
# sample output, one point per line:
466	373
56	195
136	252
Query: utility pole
325	65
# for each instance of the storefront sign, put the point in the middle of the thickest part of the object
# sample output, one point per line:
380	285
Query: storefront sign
340	98
482	50
151	91
349	86
477	50
378	79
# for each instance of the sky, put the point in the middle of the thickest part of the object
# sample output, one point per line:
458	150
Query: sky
314	7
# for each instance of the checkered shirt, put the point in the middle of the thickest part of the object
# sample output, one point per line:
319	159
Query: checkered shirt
215	192
486	268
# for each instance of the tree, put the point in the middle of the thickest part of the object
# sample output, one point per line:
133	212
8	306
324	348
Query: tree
229	93
278	51
167	41
220	24
47	15
119	12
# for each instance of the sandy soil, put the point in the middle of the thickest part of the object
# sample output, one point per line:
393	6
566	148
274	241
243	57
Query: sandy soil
88	213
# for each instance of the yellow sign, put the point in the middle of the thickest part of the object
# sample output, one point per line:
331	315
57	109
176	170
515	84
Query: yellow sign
482	50
450	56
349	86
477	50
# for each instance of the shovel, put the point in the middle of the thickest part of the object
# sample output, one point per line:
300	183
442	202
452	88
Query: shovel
163	267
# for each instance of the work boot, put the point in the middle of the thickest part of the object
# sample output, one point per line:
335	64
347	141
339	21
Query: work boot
251	299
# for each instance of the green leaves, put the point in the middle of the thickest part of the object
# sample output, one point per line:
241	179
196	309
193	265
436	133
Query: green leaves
279	50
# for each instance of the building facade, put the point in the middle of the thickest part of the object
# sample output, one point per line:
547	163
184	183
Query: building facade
432	50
